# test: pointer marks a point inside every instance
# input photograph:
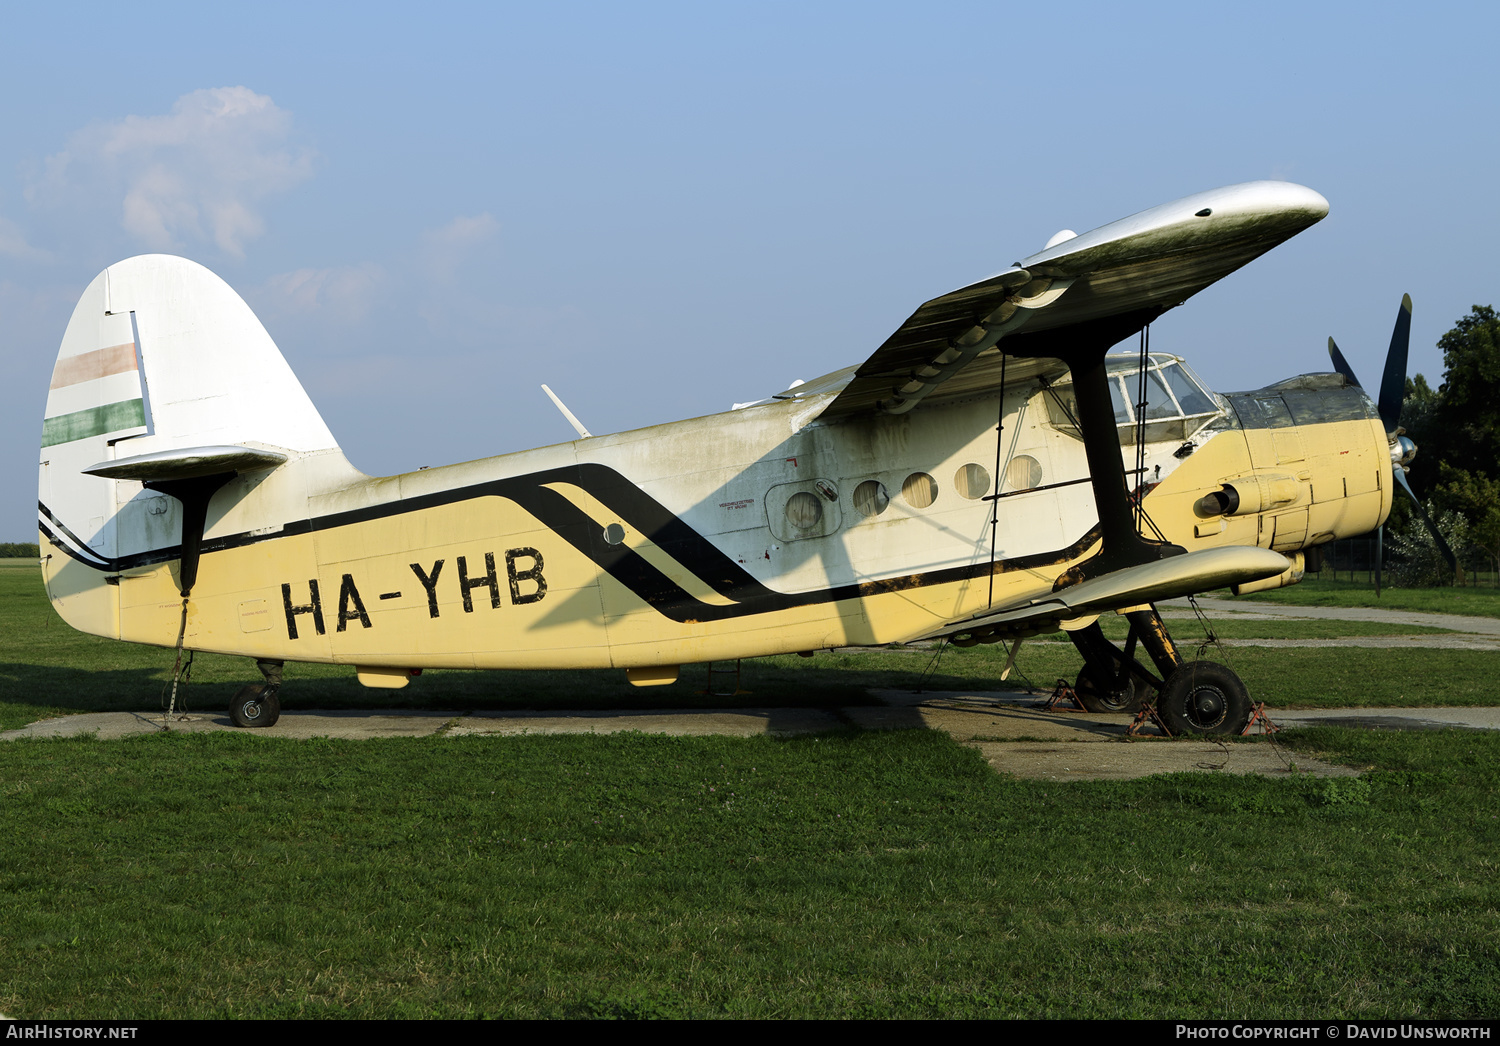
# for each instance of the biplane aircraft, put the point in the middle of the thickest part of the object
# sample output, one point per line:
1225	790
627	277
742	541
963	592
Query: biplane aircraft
990	473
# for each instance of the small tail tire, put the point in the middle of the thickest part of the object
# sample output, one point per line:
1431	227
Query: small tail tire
1204	698
252	706
1108	697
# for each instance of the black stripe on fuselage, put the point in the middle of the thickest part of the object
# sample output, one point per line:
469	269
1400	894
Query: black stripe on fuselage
642	512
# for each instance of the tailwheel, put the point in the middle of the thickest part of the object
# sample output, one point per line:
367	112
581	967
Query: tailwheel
1205	698
255	705
1105	692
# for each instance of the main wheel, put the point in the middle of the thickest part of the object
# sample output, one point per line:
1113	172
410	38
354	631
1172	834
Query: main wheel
252	706
1109	696
1204	697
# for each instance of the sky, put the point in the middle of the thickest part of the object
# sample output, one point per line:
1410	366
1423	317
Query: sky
660	209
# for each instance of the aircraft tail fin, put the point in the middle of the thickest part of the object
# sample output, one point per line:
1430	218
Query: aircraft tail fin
164	373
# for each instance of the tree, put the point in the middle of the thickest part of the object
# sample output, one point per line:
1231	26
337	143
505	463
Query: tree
1457	429
1476	497
1469	408
1419	564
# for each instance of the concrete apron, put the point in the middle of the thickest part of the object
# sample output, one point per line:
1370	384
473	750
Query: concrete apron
1013	733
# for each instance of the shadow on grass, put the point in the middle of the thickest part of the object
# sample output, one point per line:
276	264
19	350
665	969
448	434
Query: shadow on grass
35	691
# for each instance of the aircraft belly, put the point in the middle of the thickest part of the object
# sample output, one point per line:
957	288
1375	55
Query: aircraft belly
639	635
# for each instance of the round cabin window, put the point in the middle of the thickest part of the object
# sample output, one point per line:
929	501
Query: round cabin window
870	498
919	490
1023	472
803	510
972	482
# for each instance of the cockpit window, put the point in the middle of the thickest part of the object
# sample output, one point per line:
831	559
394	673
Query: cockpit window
1122	412
1158	401
1177	404
1192	398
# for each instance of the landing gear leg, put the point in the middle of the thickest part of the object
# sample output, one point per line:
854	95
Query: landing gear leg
258	704
1112	680
1196	697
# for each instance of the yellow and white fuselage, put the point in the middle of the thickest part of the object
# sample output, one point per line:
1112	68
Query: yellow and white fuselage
784	526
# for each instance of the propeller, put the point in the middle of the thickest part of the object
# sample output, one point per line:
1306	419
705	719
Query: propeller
1393	381
1392	393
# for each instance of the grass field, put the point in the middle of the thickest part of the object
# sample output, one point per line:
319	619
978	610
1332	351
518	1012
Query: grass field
845	875
862	875
1473	602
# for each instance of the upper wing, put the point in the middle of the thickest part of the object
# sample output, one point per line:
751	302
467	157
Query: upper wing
1102	285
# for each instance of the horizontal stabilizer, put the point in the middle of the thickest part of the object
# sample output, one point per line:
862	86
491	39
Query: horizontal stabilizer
187	463
1149	583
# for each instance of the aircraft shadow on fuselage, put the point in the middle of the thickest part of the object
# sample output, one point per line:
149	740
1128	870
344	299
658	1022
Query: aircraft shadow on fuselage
830	553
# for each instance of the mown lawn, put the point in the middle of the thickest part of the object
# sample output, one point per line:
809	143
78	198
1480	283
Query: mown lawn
847	875
1473	602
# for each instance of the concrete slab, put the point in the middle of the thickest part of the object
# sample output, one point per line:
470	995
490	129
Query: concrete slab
297	725
1017	736
972	716
1430	641
360	724
1486	626
1126	760
1392	718
1013	733
1439	641
1010	715
739	722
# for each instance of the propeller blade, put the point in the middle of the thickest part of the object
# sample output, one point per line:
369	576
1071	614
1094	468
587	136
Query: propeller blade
1342	365
1393	381
1442	545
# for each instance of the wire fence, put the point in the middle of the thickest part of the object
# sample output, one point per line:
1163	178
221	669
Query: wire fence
1358	559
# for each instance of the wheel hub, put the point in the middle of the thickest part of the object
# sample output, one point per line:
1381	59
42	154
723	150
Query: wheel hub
1206	706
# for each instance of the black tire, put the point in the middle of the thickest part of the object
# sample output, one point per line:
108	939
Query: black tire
253	707
1097	697
1204	698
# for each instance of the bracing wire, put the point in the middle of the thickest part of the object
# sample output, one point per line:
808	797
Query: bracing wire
995	499
182	671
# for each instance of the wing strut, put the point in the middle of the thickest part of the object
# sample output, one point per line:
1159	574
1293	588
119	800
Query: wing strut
1082	349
